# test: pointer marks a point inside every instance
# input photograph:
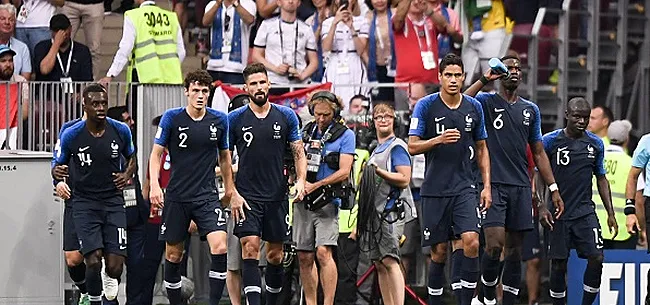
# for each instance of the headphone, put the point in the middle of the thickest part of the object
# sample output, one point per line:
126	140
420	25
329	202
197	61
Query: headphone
328	96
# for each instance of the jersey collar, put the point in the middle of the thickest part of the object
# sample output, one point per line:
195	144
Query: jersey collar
147	3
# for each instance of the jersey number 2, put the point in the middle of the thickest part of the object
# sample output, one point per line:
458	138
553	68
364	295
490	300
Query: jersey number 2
183	137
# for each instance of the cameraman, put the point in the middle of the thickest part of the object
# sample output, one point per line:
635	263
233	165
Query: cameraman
330	148
385	204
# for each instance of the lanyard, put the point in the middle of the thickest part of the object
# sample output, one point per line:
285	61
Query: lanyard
326	135
295	47
65	71
426	34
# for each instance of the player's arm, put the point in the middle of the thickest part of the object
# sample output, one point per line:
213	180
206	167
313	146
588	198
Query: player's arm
300	162
483	159
225	165
606	197
155	192
632	207
60	165
487	77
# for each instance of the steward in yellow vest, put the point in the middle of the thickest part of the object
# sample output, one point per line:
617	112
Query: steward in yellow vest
152	45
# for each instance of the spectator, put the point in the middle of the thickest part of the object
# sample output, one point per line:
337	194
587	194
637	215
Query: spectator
61	58
90	14
231	29
359	104
416	25
486	42
323	12
282	44
21	61
599	120
9	92
268	8
32	20
345	36
380	58
454	33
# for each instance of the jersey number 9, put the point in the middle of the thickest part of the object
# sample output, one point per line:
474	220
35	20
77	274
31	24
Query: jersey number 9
153	19
248	138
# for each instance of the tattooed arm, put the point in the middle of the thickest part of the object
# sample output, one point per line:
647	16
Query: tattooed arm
300	162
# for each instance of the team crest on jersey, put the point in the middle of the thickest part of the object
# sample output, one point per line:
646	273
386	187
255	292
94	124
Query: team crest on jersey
526	114
276	131
427	234
468	123
590	152
213	132
115	150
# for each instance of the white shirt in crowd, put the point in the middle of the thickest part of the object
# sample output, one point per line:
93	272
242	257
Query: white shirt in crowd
123	54
224	64
39	13
297	38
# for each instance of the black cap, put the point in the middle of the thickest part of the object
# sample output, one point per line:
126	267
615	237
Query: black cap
59	22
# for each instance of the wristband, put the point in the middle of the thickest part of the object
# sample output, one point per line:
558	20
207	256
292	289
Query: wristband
630	207
553	187
484	80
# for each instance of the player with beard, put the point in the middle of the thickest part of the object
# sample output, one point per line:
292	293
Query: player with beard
196	137
261	132
511	123
576	156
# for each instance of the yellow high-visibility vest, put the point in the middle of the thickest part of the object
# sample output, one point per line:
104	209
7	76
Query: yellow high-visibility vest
155	54
348	218
617	164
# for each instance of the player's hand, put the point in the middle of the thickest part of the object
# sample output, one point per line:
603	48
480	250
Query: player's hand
60	172
449	136
353	234
192	229
156	197
486	199
282	69
546	217
238	206
299	190
63	190
613	226
310	187
492	76
120	180
558	203
632	224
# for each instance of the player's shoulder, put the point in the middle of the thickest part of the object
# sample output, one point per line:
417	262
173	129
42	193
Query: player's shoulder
284	110
529	103
427	101
119	126
73	129
472	100
595	139
237	113
172	112
552	135
68	124
485	96
220	115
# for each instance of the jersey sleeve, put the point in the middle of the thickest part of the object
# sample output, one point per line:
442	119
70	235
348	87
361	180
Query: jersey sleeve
292	124
418	119
63	155
482	97
57	146
261	36
547	141
599	167
535	134
164	129
125	133
479	133
231	130
641	154
399	157
348	143
223	141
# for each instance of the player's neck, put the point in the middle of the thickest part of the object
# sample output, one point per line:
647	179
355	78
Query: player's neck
260	111
195	114
573	134
96	127
452	101
509	95
287	17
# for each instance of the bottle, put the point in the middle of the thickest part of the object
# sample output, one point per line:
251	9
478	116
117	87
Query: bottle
498	67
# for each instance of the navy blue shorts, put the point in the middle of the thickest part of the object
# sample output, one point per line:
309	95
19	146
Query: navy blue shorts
531	246
208	215
70	239
582	234
100	229
511	208
268	220
443	218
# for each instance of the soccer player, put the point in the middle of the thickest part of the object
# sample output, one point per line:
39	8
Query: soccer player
576	155
95	148
448	128
195	136
511	123
261	131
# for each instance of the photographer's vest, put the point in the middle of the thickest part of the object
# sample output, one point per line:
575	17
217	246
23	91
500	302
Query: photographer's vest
155	54
384	190
617	163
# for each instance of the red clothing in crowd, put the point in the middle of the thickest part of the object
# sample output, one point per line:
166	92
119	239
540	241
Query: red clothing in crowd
413	39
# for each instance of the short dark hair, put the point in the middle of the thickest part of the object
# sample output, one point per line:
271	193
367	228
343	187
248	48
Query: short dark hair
252	69
360	96
201	77
156	120
511	56
577	101
93	88
59	22
606	112
369	4
451	59
115	112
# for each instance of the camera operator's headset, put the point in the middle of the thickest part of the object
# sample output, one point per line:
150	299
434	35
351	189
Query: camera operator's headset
329	96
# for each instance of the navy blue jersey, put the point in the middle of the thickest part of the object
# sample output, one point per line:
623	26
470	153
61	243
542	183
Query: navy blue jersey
194	146
261	145
449	168
510	127
94	159
57	148
573	162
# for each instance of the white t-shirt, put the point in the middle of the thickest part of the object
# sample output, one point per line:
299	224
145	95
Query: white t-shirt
224	64
342	36
40	12
286	50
